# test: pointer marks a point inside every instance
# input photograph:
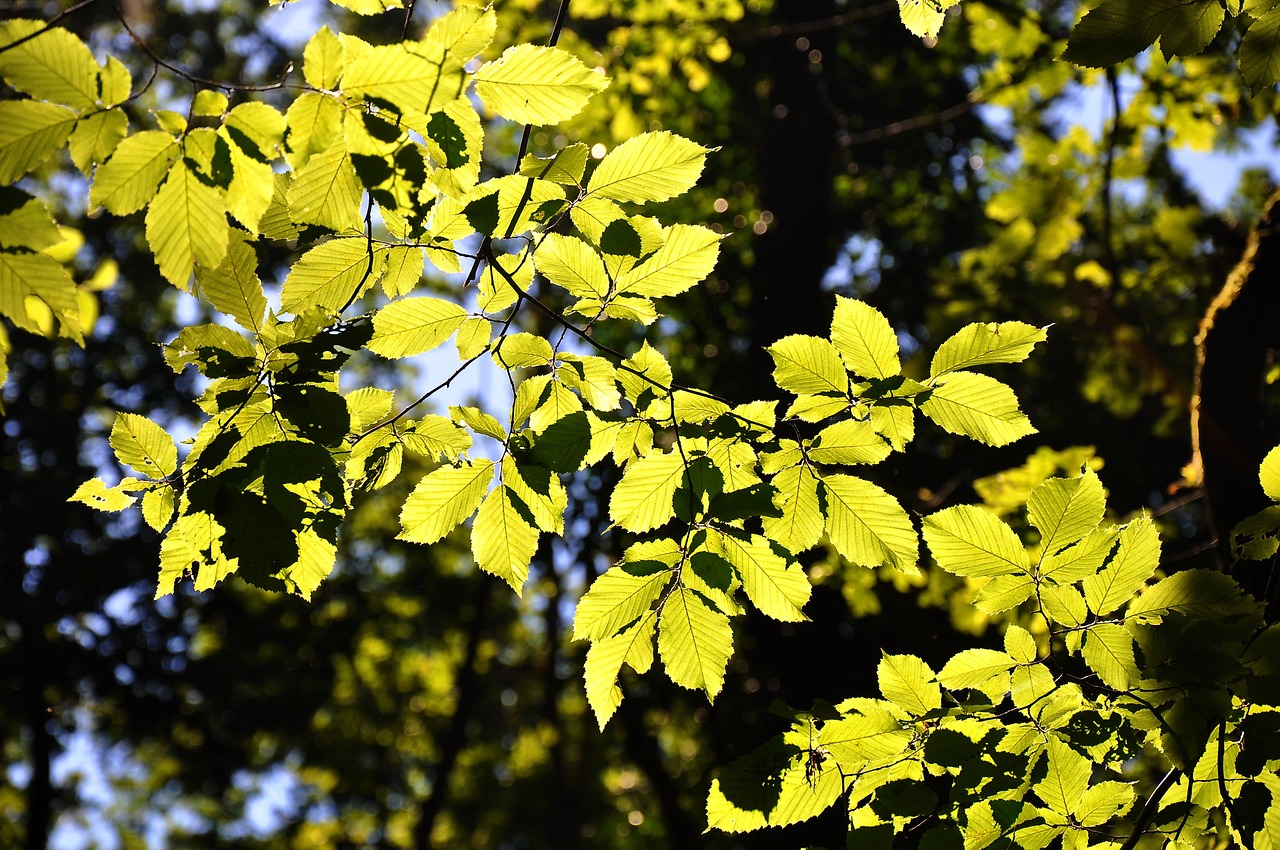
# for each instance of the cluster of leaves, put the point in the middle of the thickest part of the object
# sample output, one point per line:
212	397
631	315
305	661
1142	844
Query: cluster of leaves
1037	741
1116	30
374	171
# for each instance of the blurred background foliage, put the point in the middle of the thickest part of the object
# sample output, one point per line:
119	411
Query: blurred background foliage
417	703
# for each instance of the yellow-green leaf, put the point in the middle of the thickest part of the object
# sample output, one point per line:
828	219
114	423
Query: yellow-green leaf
38	276
186	225
573	264
30	133
849	441
907	682
969	541
95	138
977	406
128	181
96	494
502	541
143	445
1065	510
777	586
330	275
323	60
326	191
649	167
972	668
865	340
1135	561
414	325
537	85
688	254
233	287
808	365
619	596
605	659
694	641
981	344
643	499
800	526
401	74
53	65
444	499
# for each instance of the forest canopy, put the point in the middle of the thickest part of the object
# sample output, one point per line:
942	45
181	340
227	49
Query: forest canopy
730	424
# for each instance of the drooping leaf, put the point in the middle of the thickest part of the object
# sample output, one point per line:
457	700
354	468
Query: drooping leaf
865	340
233	287
967	540
530	84
1269	474
95	138
504	543
977	406
652	166
187	225
443	499
1066	779
1191	28
414	326
800	525
43	278
1115	30
404	75
605	659
777	586
326	191
1260	52
868	526
695	642
907	682
982	344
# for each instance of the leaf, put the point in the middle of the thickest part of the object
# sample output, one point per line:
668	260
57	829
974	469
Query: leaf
868	526
800	526
908	683
778	587
1064	510
330	275
323	60
435	437
537	85
694	641
1020	645
567	166
405	75
1115	30
53	65
187	225
522	350
688	254
653	166
1269	474
862	335
233	287
128	181
414	326
326	191
1104	801
850	441
193	543
96	494
605	659
1260	52
43	278
443	499
643	499
142	444
922	18
977	406
503	542
480	422
982	344
1191	28
808	365
158	506
771	787
1108	650
316	559
30	133
619	596
313	120
96	136
1067	777
969	541
1192	593
1079	560
1134	562
972	668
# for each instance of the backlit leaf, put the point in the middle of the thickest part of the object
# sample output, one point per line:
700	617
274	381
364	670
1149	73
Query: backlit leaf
1064	510
330	275
1135	561
617	597
1067	777
977	406
967	540
503	542
1108	650
30	133
233	287
808	364
187	225
54	65
850	441
643	499
868	526
649	167
605	659
414	325
907	682
981	344
800	526
694	641
537	85
865	340
778	587
971	668
443	499
128	181
326	191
